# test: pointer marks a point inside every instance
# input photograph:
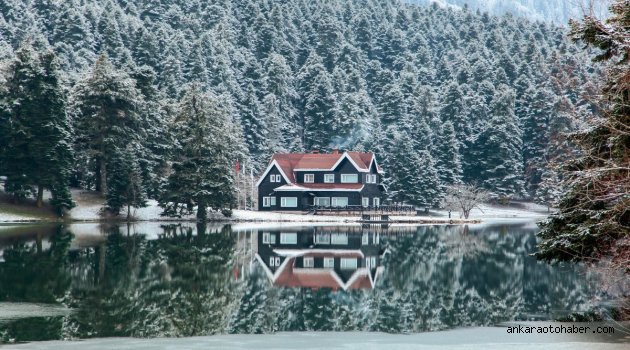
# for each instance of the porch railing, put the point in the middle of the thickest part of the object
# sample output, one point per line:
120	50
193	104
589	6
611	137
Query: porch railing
360	209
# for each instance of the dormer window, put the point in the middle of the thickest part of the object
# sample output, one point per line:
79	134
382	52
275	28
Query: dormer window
329	178
309	178
274	178
370	178
349	178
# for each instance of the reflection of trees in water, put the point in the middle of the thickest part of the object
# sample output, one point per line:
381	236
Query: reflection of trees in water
177	285
181	284
30	273
436	278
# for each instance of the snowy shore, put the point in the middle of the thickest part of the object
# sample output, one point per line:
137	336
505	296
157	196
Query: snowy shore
90	206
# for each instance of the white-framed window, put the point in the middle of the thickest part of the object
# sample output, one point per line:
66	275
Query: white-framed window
266	237
322	238
288	202
329	263
349	178
329	178
365	239
370	178
322	201
348	263
309	262
269	201
309	178
368	262
274	261
272	239
373	261
339	238
376	201
274	178
288	238
365	201
339	201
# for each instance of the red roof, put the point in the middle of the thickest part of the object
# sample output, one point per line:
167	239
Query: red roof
291	162
319	278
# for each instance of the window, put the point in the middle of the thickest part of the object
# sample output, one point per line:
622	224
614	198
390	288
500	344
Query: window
288	238
274	178
370	178
309	178
288	202
309	262
339	201
266	237
376	201
272	239
373	261
368	262
349	178
329	263
274	261
329	178
348	263
322	201
365	239
269	201
365	201
272	201
339	238
322	238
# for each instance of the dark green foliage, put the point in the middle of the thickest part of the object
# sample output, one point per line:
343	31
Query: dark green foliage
594	221
209	143
108	108
125	183
301	75
37	136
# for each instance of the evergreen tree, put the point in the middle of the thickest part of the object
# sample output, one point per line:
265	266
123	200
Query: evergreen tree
500	160
107	108
208	146
447	156
593	221
125	183
37	150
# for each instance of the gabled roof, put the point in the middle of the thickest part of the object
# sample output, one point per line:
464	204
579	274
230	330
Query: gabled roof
289	163
287	275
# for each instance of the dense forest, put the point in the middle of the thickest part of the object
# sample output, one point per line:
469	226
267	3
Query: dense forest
159	98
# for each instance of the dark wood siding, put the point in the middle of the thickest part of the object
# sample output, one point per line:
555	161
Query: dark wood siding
305	198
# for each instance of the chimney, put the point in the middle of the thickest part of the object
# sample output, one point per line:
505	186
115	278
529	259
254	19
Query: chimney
335	151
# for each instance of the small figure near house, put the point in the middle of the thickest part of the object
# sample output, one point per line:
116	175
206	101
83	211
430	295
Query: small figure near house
300	181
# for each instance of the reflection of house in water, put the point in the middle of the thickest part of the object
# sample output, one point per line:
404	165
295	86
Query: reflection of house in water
321	257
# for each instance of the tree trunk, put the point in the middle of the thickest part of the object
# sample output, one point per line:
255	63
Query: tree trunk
40	196
102	178
201	211
128	212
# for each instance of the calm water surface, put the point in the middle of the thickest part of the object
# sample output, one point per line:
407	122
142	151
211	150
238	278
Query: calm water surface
150	280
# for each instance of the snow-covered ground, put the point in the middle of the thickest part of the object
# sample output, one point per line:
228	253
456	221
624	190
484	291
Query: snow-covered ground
485	338
90	206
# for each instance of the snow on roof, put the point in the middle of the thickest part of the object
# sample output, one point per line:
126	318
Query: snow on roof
289	163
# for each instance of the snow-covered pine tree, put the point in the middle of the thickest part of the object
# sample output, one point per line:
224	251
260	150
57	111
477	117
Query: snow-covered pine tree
499	160
107	108
38	141
447	158
124	180
208	144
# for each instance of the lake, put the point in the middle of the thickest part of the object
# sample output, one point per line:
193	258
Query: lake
182	280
